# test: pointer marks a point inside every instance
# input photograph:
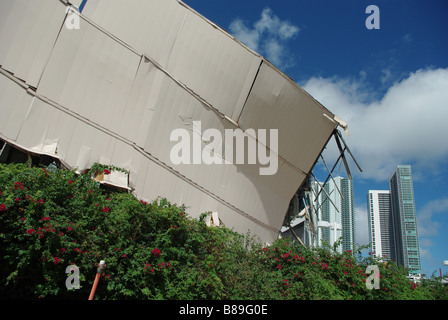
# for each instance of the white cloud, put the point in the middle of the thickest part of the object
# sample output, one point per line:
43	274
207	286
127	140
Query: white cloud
426	225
387	74
407	125
268	36
250	37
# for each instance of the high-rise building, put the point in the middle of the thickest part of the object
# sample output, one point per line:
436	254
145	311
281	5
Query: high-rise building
404	219
335	212
392	221
381	232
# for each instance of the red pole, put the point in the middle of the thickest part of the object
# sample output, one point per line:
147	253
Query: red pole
100	269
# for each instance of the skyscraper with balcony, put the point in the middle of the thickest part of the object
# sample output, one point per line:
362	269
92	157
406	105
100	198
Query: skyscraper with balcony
404	219
381	233
392	221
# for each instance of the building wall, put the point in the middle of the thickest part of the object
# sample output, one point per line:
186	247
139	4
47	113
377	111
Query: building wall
335	212
404	218
380	224
347	214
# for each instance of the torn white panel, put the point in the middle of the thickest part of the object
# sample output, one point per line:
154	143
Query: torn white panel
46	129
82	162
142	102
91	74
115	179
276	102
152	26
15	102
192	50
28	31
50	146
213	65
217	179
213	219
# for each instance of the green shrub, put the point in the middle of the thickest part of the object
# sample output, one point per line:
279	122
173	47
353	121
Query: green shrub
52	219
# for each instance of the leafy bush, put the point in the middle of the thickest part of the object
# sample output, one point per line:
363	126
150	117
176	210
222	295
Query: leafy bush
52	219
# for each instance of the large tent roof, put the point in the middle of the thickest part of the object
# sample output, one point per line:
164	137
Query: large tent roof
112	91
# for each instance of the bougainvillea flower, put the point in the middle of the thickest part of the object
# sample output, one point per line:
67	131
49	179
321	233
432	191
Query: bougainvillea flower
18	185
156	252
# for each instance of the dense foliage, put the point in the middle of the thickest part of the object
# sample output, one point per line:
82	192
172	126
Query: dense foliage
52	219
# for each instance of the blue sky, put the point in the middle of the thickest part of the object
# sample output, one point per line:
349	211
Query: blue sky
389	84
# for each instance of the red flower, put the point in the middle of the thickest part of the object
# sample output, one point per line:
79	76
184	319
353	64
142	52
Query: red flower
30	231
18	199
77	250
71	181
56	260
279	267
18	185
106	171
156	252
3	207
106	209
